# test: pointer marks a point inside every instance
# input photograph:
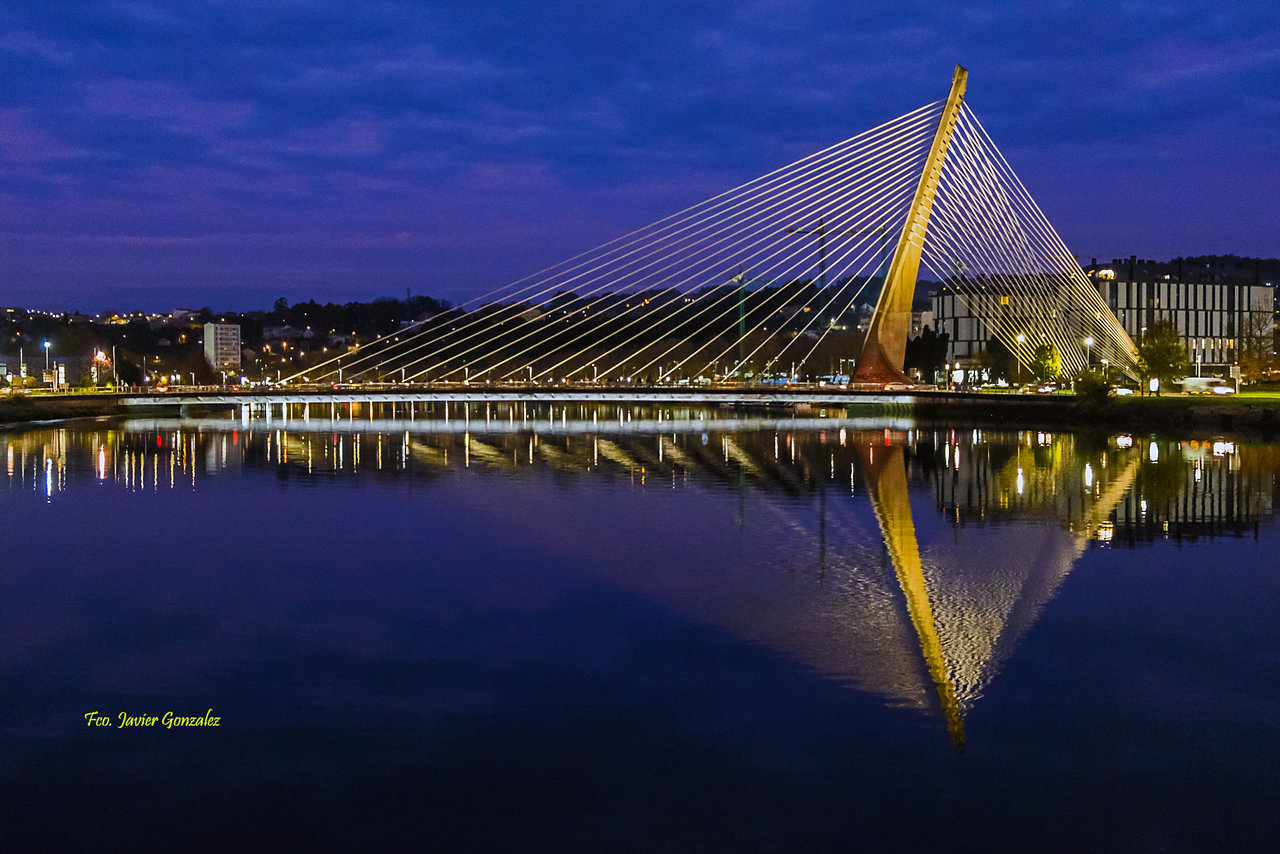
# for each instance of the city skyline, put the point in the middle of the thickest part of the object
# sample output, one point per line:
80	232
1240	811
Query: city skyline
229	155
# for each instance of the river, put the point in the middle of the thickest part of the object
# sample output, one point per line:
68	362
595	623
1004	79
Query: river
509	628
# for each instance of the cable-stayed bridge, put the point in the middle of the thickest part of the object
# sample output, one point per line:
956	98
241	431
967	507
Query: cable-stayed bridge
762	283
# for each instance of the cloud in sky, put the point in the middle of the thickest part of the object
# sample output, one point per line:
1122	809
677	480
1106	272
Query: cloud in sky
345	151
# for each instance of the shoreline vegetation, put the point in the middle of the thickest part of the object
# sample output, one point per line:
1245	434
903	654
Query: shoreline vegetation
1246	412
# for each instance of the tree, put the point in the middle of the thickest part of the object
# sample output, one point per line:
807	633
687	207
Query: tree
927	353
985	363
1003	363
1092	386
1163	354
1046	364
1257	346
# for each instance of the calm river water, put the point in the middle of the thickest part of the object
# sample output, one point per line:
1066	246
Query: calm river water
635	629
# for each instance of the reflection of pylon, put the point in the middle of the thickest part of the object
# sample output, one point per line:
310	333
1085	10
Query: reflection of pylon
886	478
885	347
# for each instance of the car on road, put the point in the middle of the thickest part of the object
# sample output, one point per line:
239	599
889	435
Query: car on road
1206	385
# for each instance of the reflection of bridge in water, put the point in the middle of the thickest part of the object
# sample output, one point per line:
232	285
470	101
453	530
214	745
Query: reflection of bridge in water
851	576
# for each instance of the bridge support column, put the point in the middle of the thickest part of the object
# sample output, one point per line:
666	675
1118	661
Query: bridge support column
885	347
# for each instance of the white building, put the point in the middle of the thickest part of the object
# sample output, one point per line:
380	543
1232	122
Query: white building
1217	320
222	346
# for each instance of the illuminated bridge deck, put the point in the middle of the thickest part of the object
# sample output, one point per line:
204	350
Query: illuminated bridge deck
709	396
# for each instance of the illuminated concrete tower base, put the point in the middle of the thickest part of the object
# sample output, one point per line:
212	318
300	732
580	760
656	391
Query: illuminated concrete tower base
885	347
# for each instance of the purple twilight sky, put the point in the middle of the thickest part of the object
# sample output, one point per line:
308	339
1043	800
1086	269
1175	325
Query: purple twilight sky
156	154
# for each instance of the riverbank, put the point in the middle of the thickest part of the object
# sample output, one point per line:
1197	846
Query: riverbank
20	409
1257	413
1253	412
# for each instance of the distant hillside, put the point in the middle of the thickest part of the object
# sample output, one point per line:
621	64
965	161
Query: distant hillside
1192	268
1269	268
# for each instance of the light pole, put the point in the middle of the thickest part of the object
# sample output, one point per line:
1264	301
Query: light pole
821	231
1088	346
1017	359
46	357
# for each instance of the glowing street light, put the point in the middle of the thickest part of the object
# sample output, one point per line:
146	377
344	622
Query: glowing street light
1017	359
1088	345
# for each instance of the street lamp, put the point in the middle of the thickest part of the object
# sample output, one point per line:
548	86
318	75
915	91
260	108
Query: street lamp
1088	345
46	355
1017	359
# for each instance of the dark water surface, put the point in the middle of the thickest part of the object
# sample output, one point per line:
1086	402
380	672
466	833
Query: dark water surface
636	630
